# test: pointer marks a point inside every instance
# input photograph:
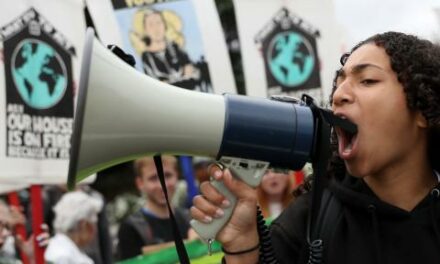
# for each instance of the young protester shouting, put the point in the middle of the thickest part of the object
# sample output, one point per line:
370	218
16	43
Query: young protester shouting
385	177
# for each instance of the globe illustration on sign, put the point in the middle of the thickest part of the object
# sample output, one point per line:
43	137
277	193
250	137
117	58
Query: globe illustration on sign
290	59
39	74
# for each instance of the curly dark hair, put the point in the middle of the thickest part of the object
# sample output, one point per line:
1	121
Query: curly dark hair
417	65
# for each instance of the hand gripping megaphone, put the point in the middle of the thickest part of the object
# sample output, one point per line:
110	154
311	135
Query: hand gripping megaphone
122	114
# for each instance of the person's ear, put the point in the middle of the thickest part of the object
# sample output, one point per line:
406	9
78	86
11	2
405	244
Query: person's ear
139	183
421	120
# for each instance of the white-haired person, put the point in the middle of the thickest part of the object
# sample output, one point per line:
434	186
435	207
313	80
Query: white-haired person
75	226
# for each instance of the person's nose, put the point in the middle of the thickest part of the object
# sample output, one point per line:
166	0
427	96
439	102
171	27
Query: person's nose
170	182
343	94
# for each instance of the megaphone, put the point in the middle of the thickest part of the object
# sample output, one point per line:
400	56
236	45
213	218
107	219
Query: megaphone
122	114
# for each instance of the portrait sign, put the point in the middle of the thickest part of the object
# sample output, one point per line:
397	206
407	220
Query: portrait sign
166	41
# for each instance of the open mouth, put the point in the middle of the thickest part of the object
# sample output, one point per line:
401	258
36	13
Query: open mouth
347	142
274	184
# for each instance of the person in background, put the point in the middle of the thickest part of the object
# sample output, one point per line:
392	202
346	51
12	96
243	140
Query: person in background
275	193
100	249
200	174
9	242
76	215
201	165
151	224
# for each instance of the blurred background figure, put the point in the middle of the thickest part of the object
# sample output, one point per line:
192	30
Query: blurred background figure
9	242
100	249
75	221
199	171
200	165
275	192
151	225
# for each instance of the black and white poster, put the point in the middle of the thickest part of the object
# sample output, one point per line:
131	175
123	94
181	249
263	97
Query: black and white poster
40	47
39	92
288	47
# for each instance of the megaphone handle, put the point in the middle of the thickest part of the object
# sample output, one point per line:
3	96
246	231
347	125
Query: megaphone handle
209	231
246	170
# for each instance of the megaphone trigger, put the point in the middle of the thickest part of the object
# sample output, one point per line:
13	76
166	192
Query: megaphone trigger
249	171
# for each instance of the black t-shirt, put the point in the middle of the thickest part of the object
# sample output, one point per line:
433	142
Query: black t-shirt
143	228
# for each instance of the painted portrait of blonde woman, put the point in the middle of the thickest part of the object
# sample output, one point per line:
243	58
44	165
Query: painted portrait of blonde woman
157	38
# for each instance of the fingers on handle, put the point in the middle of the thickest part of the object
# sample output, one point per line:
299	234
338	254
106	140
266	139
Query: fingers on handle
211	193
200	216
238	187
208	205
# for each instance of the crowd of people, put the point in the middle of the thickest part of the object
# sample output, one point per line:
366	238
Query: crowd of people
78	230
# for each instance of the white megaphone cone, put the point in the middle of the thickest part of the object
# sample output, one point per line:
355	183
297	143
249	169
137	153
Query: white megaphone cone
123	114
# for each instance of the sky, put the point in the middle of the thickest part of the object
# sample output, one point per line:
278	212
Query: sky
363	18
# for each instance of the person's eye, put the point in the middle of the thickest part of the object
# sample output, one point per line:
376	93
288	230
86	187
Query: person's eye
368	82
153	179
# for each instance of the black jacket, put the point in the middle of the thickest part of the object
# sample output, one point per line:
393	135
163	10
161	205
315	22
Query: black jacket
369	231
142	228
